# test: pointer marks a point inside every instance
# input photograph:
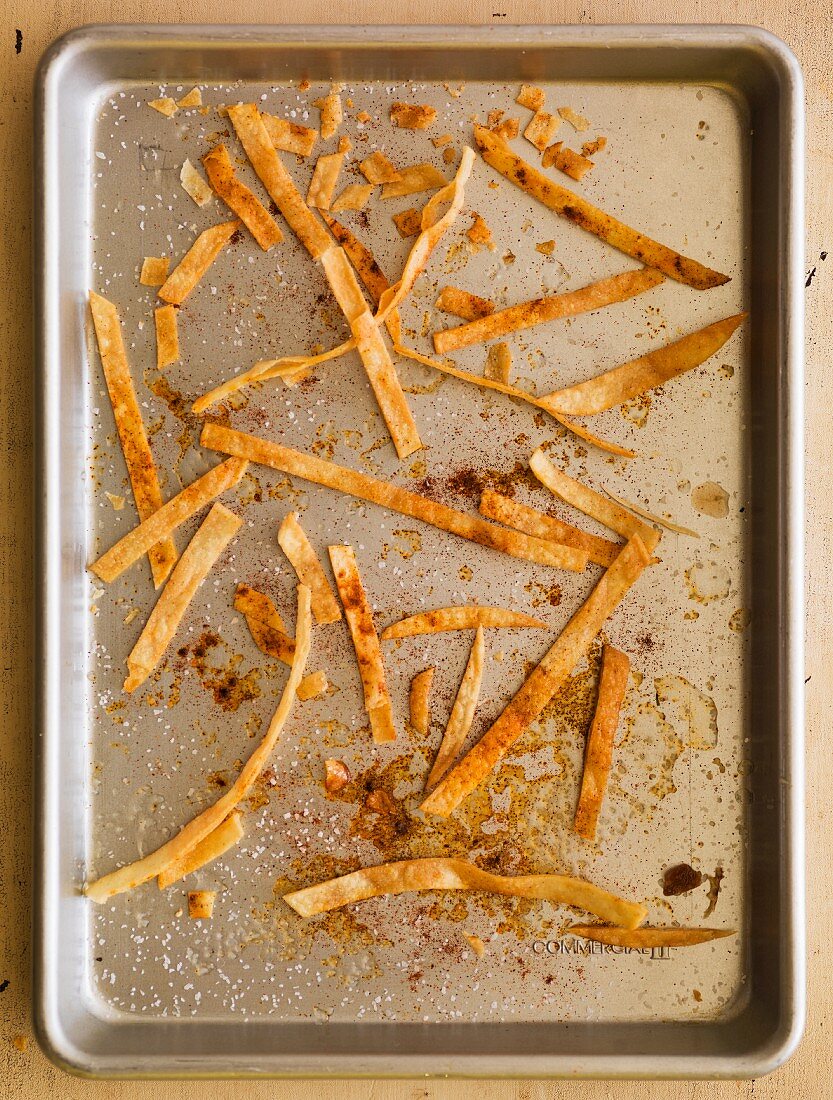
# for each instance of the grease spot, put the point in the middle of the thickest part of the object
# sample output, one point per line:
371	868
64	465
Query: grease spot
711	499
707	582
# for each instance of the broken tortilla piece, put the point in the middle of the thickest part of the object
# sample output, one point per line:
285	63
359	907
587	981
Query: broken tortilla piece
194	185
154	270
410	116
324	180
462	712
378	169
409	222
196	261
412	180
355	196
541	129
418	706
167	336
531	97
289	137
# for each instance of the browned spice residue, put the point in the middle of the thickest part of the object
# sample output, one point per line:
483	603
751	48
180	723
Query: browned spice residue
680	879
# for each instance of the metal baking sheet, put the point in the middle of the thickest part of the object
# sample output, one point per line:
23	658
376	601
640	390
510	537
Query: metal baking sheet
707	768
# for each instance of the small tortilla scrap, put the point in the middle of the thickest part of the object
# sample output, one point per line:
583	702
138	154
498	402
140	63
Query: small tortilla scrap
240	199
590	148
480	234
410	116
324	180
541	129
191	99
566	160
212	537
355	196
409	222
336	775
577	121
648	936
498	363
196	261
419	708
574	208
460	618
462	712
449	155
443	139
165	106
462	303
458	874
216	844
365	642
531	97
378	169
543	682
289	137
476	944
201	904
167	336
332	114
412	180
546	248
293	540
154	270
598	753
645	373
194	185
313	685
508	129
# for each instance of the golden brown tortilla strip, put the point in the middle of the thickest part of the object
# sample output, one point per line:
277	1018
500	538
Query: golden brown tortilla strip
543	682
131	429
201	904
412	180
355	196
411	116
577	121
167	336
126	878
191	99
378	169
154	270
458	874
462	713
332	114
459	618
194	185
541	129
269	635
531	97
318	470
216	844
293	541
498	363
566	160
238	198
462	303
598	754
212	537
196	261
568	205
648	937
418	706
289	136
324	180
257	605
409	222
645	373
368	271
652	517
365	642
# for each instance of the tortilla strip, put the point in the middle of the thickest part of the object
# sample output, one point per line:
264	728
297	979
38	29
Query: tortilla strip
543	682
590	502
462	713
312	685
217	843
196	261
568	205
459	618
167	518
532	522
598	753
365	642
167	336
154	270
418	706
645	373
648	937
462	303
289	136
194	185
605	292
541	129
201	904
498	366
531	97
196	830
324	180
332	114
269	635
458	874
412	116
409	222
412	180
567	160
134	441
293	541
213	535
257	605
218	438
367	269
240	199
652	517
355	196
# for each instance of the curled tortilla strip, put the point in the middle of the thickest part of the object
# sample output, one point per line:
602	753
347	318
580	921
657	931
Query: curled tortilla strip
138	456
593	504
458	874
462	303
324	180
598	295
355	196
661	521
126	878
217	843
412	180
598	754
648	937
368	271
318	470
418	706
578	210
167	518
289	136
196	261
293	540
378	169
167	336
543	682
154	270
213	535
365	642
523	518
239	198
640	375
459	618
462	713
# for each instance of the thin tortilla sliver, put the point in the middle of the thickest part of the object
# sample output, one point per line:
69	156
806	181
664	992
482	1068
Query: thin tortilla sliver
645	373
459	618
167	336
216	844
154	270
213	535
332	114
194	185
289	136
167	518
462	713
648	937
458	874
652	517
355	196
218	438
598	754
293	540
462	303
541	129
378	169
412	180
419	709
196	261
365	642
568	205
543	682
131	429
126	878
324	180
240	199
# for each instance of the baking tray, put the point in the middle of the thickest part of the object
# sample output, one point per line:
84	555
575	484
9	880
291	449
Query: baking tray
705	150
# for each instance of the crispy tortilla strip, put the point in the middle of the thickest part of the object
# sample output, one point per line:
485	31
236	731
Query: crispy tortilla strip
410	116
272	642
312	685
216	844
541	129
257	605
498	363
324	180
462	303
409	222
238	198
418	706
458	874
126	878
590	502
318	470
523	518
541	685
443	139
480	234
304	560
598	754
167	518
154	270
652	517
419	177
332	114
459	618
134	441
213	535
368	271
167	336
194	185
598	295
648	937
578	122
355	196
165	106
590	148
566	160
201	904
508	129
640	375
192	99
365	642
462	713
531	97
496	152
378	169
289	136
196	261
268	633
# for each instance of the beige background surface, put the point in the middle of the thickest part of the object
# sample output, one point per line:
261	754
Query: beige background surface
808	28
